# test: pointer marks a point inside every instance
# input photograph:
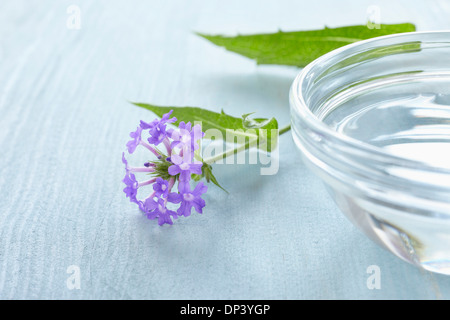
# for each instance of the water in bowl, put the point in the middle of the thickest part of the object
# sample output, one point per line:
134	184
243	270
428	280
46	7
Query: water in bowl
408	116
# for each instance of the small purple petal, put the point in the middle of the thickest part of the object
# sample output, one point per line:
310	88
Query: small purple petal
174	170
198	204
125	162
157	128
196	168
184	209
190	198
144	125
131	187
200	188
174	197
161	187
132	144
156	209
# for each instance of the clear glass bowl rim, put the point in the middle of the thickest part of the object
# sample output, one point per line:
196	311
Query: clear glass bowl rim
299	105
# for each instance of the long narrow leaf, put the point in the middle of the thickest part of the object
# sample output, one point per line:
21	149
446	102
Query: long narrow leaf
298	48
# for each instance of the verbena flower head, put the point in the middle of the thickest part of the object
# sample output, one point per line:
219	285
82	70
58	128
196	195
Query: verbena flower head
167	170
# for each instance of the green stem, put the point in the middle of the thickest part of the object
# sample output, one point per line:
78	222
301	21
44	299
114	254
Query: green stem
284	129
228	153
240	148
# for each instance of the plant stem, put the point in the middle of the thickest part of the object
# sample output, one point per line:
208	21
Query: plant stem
228	153
240	148
284	129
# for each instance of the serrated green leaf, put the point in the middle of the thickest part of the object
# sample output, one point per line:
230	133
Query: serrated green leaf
298	48
226	124
209	119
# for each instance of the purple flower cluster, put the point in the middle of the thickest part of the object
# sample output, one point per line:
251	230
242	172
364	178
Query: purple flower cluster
174	167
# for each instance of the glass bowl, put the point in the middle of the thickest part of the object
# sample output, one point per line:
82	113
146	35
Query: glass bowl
372	120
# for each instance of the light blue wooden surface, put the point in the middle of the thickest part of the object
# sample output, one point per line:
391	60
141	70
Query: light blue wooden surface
64	122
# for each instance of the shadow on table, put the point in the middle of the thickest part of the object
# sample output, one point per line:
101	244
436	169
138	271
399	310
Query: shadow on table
264	90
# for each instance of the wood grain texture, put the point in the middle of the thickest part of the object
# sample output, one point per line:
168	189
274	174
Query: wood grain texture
64	122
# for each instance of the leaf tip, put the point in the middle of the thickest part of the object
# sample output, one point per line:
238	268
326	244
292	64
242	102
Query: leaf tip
197	33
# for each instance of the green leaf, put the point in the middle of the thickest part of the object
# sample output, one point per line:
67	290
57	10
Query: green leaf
209	119
236	127
298	48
